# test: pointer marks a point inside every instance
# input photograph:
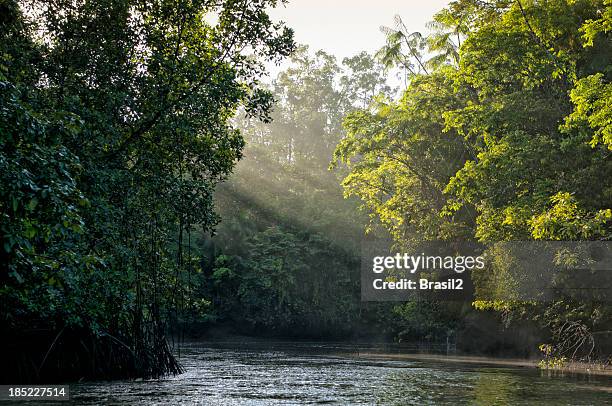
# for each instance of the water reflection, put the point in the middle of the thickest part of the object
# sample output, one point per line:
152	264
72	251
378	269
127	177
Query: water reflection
317	374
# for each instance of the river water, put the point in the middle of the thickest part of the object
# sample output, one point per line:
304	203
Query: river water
307	373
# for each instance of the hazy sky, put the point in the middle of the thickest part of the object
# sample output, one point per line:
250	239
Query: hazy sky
346	27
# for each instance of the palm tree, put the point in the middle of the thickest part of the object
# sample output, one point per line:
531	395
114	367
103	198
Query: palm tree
403	49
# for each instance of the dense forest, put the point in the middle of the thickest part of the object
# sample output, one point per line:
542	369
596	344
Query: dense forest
115	131
155	184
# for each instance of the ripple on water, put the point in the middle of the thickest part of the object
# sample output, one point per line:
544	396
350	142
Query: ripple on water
294	374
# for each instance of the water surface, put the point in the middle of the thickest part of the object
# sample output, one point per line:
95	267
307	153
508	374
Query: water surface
307	373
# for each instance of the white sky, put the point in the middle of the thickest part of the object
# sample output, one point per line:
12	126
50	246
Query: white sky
346	27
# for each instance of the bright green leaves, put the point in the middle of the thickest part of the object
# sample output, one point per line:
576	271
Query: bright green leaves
506	101
566	221
511	178
513	66
602	24
523	126
400	158
592	99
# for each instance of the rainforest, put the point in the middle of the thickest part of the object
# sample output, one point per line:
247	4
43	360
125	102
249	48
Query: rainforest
179	171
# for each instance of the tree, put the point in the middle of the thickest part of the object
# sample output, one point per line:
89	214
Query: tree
510	144
131	101
401	158
293	241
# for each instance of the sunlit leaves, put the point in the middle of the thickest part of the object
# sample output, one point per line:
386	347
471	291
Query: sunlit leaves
566	221
592	99
401	158
531	122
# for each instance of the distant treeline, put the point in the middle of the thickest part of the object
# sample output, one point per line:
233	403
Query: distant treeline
502	133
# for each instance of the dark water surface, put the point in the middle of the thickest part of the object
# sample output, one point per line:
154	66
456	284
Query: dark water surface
290	373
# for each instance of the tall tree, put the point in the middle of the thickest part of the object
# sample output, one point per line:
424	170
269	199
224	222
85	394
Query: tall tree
510	143
290	245
133	98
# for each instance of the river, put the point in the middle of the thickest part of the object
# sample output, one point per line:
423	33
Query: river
307	373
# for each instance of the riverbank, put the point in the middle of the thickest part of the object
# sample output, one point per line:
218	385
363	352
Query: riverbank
572	368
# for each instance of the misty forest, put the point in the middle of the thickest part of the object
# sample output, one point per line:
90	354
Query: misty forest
159	184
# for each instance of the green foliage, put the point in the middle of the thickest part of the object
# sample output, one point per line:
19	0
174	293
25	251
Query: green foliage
566	221
287	248
403	49
115	130
42	226
550	361
287	284
425	320
593	28
406	157
510	142
592	98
